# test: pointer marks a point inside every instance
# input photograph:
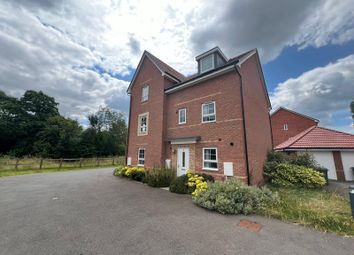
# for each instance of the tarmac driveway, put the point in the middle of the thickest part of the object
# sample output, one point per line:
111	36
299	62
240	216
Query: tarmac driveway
93	212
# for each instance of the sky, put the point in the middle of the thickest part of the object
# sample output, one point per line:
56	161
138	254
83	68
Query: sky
85	52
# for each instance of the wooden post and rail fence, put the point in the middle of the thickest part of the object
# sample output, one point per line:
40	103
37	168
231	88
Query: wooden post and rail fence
7	164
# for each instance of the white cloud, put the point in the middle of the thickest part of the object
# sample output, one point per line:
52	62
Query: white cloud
272	25
324	93
50	45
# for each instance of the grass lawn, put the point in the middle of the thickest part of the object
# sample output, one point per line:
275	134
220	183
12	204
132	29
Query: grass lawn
4	173
319	209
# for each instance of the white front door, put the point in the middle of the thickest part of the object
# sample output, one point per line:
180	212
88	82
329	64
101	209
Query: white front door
182	160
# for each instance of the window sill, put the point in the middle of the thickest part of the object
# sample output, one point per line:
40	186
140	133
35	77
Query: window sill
139	165
203	122
210	169
182	123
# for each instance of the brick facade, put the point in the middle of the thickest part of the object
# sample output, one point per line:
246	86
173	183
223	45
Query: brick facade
296	123
227	133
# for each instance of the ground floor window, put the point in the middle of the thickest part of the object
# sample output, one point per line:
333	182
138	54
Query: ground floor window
210	158
141	157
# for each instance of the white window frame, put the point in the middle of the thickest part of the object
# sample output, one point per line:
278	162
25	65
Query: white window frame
211	161
212	65
140	132
211	102
185	116
141	158
145	98
285	127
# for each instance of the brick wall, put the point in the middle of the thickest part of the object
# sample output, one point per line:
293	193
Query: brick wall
258	127
296	124
154	141
227	129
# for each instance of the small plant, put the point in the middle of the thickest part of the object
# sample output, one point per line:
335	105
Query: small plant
196	184
207	177
233	197
159	177
288	175
134	173
179	185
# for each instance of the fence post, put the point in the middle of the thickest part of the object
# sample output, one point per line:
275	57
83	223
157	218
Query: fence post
113	161
80	162
17	160
61	162
40	163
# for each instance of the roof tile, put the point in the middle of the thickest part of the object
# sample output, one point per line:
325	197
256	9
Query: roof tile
319	138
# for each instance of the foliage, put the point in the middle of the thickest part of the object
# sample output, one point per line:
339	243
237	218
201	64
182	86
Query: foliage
179	185
60	137
315	208
288	175
233	197
135	173
32	125
159	177
106	134
303	159
352	108
196	184
207	177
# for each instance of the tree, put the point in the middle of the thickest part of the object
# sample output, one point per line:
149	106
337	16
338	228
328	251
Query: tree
59	138
107	133
352	108
10	122
36	108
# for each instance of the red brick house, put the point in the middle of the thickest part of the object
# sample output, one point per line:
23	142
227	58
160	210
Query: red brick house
216	121
287	123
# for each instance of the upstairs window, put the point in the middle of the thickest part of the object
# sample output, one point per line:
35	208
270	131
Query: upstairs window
207	63
143	124
141	157
145	93
210	158
208	112
182	116
285	127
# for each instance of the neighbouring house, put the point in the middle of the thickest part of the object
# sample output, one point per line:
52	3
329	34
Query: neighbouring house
331	149
216	121
287	123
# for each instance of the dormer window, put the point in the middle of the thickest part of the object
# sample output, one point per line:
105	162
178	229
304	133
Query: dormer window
210	60
207	63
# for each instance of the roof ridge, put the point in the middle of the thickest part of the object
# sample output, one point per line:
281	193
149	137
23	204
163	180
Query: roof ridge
149	53
294	112
297	137
337	131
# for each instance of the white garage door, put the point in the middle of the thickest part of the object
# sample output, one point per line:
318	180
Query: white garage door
348	162
325	159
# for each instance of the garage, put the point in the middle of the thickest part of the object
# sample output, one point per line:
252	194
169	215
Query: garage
331	149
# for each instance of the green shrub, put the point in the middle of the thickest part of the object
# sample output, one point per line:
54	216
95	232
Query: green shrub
179	185
303	159
159	177
288	175
277	156
207	177
120	170
135	173
138	176
233	197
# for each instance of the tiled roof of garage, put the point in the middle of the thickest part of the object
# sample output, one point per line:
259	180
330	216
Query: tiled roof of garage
318	138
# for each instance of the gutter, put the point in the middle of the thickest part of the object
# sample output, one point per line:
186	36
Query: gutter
238	67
